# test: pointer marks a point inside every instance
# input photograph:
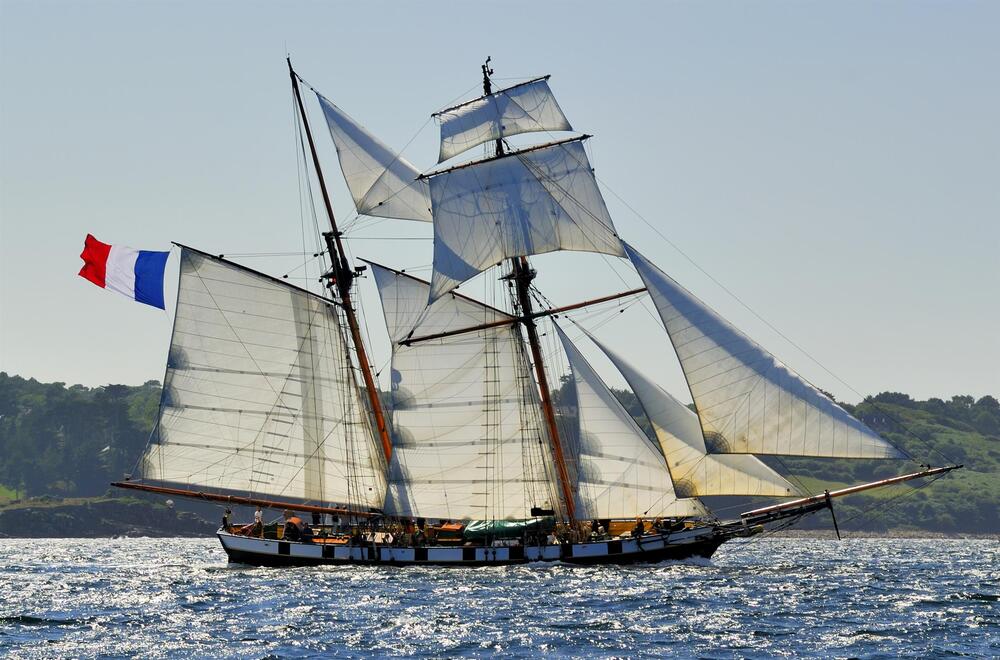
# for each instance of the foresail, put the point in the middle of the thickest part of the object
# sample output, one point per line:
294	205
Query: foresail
466	434
748	401
382	182
260	397
529	202
619	472
695	472
522	108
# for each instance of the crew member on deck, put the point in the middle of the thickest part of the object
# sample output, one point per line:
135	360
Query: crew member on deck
639	529
258	523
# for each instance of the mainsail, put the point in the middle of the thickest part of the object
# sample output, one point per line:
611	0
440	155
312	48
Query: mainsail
523	203
382	182
260	396
748	401
467	442
619	472
695	471
529	106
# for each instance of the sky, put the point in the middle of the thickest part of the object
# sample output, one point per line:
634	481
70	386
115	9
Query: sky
825	175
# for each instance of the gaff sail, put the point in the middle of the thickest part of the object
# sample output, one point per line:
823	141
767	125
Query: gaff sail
260	397
467	442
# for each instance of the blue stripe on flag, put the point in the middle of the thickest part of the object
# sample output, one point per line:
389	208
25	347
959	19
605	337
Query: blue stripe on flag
149	267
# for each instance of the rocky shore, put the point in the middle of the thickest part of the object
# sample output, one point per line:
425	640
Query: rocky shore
98	517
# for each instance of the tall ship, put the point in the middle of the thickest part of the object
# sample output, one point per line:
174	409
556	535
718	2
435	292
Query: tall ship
498	441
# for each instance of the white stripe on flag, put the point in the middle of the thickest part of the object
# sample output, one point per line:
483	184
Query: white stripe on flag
120	271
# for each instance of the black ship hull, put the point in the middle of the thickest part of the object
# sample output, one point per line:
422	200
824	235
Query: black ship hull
692	543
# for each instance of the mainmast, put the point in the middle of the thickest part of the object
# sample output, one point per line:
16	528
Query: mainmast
522	275
343	276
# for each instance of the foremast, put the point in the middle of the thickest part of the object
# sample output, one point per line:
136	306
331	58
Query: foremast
342	276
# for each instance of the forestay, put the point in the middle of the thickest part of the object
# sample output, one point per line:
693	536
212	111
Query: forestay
260	396
529	202
382	182
748	401
695	471
619	473
522	108
466	438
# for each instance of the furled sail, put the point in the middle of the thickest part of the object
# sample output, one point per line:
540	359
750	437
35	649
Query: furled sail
528	202
522	108
619	472
748	401
694	471
260	396
382	182
466	443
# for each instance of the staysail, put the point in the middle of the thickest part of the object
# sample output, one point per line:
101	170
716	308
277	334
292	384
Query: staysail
522	108
748	401
523	203
695	471
467	442
382	182
619	472
260	396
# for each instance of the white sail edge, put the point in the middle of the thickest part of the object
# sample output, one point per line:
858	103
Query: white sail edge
619	472
382	183
260	397
694	471
747	401
526	203
464	443
528	107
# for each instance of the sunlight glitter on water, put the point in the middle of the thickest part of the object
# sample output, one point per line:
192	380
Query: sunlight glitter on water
178	598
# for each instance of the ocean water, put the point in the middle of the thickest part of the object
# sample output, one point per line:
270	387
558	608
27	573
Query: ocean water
760	598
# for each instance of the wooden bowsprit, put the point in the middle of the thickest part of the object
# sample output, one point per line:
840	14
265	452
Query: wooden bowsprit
805	505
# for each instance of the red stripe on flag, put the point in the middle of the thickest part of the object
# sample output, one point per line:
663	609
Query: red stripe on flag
95	260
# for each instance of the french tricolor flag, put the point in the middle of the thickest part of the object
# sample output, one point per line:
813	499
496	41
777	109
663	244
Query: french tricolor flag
137	274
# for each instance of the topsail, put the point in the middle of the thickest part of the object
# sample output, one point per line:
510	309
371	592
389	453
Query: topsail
522	108
382	182
748	401
260	397
526	202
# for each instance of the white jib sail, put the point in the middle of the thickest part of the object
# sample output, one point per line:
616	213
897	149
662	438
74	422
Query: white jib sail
748	401
619	472
526	203
382	182
522	108
260	396
467	442
695	472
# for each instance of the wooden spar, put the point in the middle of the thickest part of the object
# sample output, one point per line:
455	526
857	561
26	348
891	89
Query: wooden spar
489	93
522	276
825	497
533	315
236	499
504	154
344	277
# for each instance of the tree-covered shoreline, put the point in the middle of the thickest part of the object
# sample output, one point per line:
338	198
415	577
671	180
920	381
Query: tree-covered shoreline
71	441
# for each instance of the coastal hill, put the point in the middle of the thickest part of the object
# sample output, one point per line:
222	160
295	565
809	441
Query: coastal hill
60	442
